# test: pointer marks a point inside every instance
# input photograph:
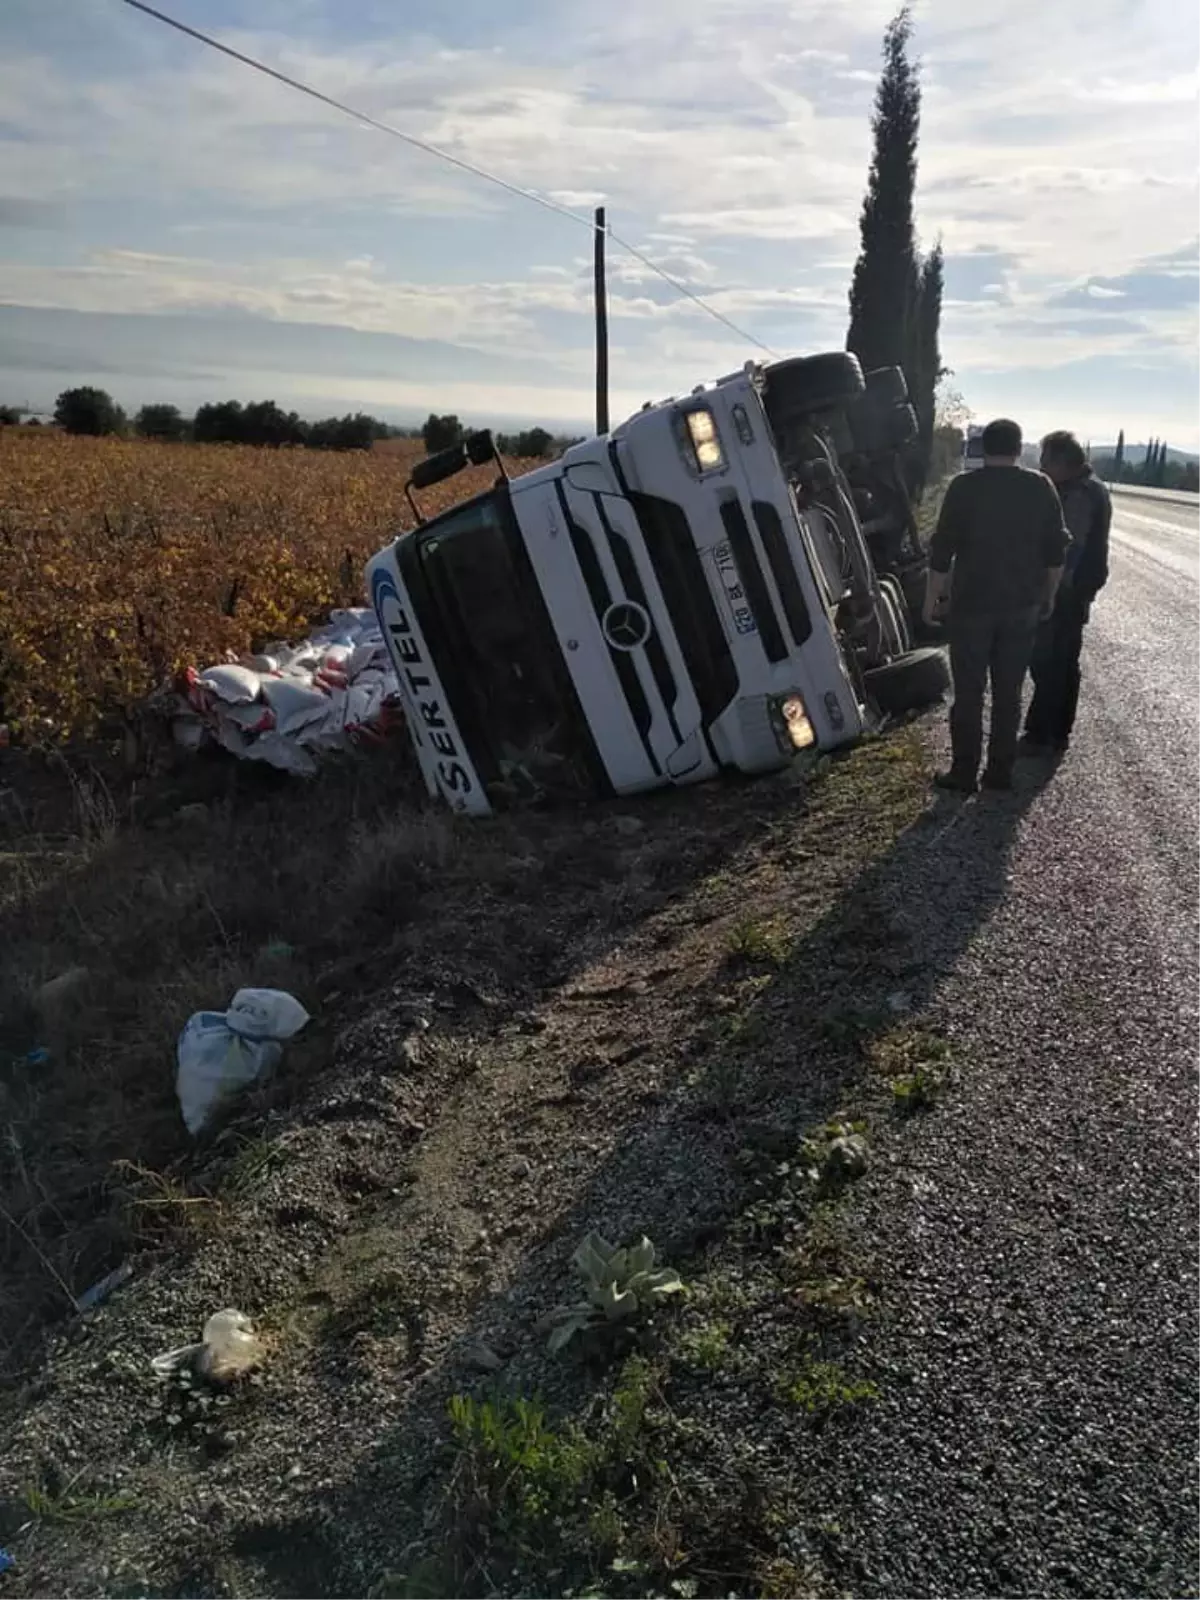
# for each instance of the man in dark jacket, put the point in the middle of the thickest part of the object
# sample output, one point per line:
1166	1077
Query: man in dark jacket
1001	531
1055	665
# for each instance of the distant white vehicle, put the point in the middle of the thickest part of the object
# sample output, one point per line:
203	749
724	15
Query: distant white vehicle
972	455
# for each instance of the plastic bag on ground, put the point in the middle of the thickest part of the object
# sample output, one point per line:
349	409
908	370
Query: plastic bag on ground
228	1348
221	1053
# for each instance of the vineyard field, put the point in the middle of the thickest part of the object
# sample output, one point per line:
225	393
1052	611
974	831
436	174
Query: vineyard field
126	561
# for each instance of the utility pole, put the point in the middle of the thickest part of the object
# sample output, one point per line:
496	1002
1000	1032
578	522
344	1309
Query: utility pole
600	231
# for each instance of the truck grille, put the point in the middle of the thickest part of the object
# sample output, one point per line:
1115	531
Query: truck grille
783	569
758	596
689	601
635	590
601	598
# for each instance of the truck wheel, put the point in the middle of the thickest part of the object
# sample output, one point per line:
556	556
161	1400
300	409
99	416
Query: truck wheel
885	388
812	383
892	630
910	682
902	427
878	433
891	587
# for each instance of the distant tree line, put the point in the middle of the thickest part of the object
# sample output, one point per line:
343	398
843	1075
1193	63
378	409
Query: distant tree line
262	422
440	433
88	410
1155	468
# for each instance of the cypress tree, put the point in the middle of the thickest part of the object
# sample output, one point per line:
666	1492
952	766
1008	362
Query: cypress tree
1118	460
929	369
885	285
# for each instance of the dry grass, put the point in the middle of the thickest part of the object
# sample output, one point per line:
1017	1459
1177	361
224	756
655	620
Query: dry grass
270	887
159	906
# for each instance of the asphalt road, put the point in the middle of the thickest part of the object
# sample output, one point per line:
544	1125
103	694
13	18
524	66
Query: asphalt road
1037	1233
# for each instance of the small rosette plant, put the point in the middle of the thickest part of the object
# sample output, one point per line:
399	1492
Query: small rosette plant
621	1284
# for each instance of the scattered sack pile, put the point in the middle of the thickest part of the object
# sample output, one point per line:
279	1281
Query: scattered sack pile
293	701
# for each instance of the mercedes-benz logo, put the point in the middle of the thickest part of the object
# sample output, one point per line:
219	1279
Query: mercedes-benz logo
626	625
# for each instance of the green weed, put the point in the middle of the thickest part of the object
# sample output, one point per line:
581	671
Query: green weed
834	1295
819	1387
915	1091
905	1051
67	1505
707	1347
255	1158
514	1482
761	941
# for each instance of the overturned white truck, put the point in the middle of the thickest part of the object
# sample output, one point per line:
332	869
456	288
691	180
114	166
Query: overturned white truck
719	583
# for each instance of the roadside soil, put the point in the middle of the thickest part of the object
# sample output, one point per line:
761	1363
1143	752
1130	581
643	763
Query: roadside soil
638	1019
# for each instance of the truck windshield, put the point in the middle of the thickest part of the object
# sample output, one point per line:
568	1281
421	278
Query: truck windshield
507	657
974	451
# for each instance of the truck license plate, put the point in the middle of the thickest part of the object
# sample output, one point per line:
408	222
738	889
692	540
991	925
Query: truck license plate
743	617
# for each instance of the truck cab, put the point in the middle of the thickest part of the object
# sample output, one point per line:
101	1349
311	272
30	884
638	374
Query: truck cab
670	600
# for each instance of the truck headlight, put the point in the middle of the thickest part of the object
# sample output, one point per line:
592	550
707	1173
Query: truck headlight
706	447
794	723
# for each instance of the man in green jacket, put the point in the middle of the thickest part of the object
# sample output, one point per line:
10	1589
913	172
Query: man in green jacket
997	557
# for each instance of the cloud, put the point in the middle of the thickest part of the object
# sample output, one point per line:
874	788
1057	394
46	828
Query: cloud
729	143
1181	89
548	308
795	221
577	199
18	211
1148	291
982	273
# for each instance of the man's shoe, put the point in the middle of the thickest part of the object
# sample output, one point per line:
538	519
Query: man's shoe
955	783
998	782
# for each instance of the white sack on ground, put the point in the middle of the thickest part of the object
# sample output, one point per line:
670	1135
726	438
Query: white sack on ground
222	1052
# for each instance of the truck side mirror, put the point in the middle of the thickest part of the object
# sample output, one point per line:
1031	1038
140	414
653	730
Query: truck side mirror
437	467
481	447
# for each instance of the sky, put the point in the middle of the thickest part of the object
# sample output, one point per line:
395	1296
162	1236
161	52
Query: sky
176	227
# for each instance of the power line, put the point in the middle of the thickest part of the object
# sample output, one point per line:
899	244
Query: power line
684	290
443	155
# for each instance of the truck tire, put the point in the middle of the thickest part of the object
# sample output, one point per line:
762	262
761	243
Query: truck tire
910	682
891	587
806	384
892	629
885	388
878	433
902	426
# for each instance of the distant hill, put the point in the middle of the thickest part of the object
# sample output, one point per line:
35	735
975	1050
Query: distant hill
1136	452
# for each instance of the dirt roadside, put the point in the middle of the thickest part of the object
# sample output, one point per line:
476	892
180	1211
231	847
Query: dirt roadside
649	1020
